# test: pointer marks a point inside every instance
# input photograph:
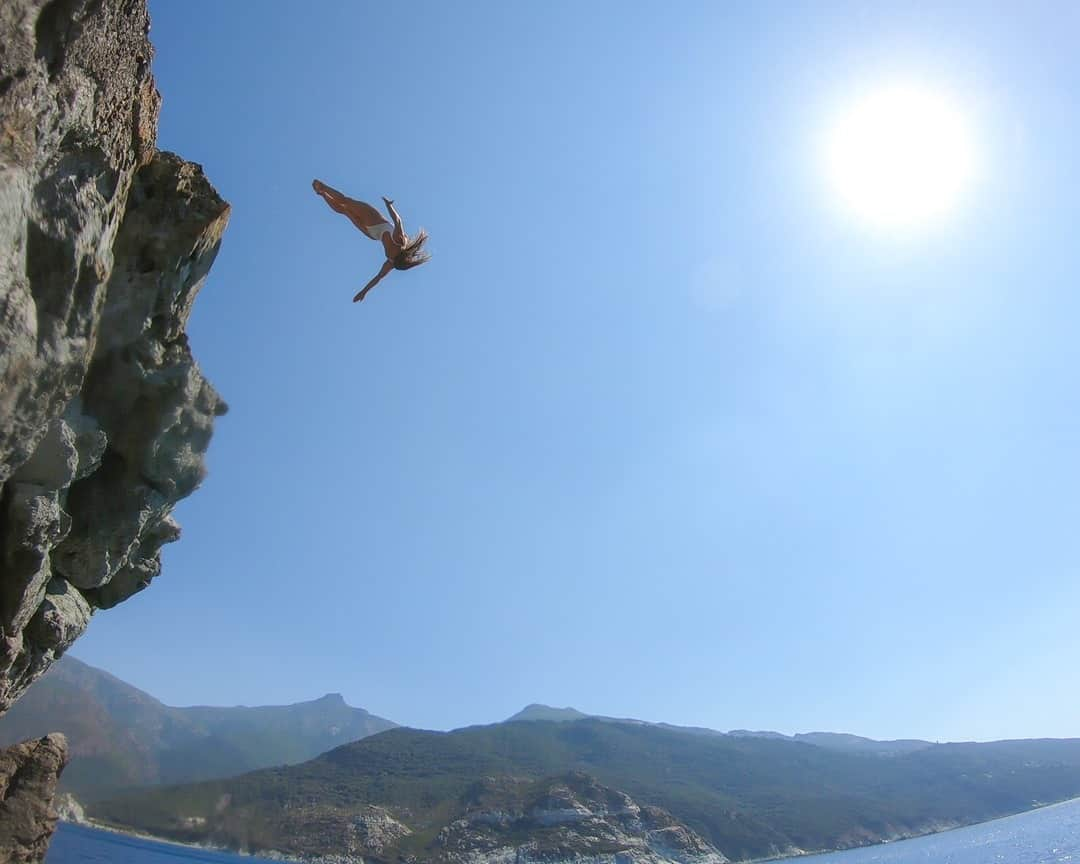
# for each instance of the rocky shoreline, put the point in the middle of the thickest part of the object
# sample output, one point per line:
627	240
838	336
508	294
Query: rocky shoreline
507	821
275	855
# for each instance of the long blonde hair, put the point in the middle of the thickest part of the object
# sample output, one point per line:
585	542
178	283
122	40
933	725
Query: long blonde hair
412	253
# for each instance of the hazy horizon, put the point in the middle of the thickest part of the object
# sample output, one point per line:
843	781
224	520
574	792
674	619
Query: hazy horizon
599	715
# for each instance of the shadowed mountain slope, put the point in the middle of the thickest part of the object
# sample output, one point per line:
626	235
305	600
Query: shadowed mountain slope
120	736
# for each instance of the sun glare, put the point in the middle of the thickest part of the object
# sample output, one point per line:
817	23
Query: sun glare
900	157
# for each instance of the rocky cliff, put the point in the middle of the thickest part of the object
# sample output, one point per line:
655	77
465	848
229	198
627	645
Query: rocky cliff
104	245
28	773
567	819
570	818
507	820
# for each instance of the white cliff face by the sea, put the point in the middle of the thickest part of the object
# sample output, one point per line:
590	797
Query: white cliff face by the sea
68	809
573	819
104	244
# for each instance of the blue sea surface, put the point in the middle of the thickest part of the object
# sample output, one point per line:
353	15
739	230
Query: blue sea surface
77	843
1037	837
1051	834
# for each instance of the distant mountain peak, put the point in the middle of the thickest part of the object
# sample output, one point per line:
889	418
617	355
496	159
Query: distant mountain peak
121	737
537	711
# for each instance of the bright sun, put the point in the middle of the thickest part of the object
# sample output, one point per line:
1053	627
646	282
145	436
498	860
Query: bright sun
901	157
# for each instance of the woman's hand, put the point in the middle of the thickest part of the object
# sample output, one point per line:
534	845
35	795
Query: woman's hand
387	201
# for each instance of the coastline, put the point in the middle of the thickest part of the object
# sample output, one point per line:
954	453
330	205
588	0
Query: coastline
93	824
277	856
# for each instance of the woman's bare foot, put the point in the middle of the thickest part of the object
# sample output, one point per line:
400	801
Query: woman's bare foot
318	186
360	296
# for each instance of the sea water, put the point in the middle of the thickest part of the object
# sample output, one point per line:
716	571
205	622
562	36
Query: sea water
72	843
1051	834
1036	837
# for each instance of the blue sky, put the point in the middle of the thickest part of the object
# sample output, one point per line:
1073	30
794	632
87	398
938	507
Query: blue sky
660	431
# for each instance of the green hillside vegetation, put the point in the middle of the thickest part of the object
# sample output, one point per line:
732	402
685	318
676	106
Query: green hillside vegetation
121	737
750	797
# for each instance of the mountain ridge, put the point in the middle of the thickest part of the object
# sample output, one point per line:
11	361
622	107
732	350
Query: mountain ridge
746	797
121	736
831	740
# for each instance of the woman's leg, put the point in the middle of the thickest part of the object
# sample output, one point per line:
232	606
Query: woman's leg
360	214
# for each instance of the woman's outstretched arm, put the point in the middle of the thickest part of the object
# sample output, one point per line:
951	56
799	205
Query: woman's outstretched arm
399	226
386	268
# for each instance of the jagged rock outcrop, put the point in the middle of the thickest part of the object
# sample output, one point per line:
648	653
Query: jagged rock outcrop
104	244
567	819
69	809
28	775
364	834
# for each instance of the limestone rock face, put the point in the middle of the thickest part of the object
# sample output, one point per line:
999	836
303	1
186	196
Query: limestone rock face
104	244
567	820
28	775
365	833
69	809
